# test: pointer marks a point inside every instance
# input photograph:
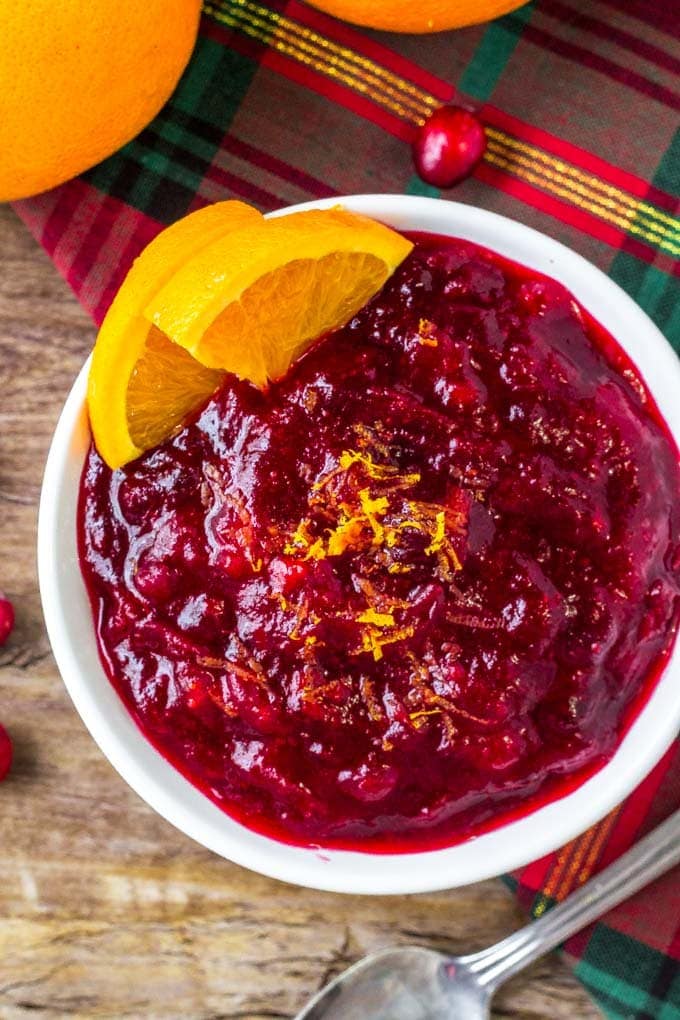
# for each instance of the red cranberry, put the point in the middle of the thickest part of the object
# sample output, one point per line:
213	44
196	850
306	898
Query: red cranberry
156	581
5	752
675	558
6	619
369	782
195	686
233	562
286	575
448	146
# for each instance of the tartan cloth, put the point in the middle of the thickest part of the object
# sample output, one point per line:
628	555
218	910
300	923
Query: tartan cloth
580	100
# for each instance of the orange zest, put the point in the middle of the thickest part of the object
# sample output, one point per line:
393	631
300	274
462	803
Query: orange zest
362	507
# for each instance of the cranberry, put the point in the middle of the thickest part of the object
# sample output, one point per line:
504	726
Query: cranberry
286	575
448	146
6	621
233	562
5	752
369	782
674	555
196	684
156	581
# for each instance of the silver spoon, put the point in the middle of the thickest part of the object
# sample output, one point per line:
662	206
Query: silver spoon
412	983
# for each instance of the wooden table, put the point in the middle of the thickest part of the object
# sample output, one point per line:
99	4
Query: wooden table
105	909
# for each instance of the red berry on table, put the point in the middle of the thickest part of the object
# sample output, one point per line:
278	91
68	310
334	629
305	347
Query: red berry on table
6	619
5	752
448	147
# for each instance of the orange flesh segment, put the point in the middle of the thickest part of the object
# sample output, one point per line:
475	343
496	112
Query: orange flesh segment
254	301
340	285
165	386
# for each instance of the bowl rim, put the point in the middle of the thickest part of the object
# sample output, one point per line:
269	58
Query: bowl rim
503	849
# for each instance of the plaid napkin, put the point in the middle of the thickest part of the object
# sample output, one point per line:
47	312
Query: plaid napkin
580	99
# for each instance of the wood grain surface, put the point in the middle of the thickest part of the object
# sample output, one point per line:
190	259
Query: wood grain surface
105	910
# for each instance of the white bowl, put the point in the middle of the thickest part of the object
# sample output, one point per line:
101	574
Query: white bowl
69	620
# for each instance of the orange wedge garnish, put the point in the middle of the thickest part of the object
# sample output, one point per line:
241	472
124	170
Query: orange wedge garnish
224	290
252	302
141	386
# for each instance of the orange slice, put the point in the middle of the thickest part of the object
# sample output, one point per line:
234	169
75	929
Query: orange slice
141	386
254	300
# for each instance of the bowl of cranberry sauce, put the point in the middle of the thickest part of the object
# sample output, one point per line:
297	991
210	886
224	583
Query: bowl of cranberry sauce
406	619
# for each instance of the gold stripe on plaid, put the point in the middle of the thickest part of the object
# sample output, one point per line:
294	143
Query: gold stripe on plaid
592	193
570	868
335	61
602	834
590	201
413	104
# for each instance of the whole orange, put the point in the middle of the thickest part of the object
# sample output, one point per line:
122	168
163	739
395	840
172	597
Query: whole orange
79	79
418	16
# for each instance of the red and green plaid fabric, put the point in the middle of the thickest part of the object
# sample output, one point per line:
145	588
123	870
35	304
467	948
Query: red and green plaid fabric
580	99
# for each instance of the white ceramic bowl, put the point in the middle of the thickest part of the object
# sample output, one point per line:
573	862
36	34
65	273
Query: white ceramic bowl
70	628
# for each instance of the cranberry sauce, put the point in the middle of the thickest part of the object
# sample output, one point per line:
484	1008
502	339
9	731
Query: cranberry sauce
417	586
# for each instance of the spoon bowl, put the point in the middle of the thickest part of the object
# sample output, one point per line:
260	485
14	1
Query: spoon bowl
414	983
405	983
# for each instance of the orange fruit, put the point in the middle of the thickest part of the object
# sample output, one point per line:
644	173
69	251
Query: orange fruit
78	80
424	16
140	385
252	302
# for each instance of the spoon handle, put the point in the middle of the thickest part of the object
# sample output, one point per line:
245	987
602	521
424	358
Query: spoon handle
644	862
